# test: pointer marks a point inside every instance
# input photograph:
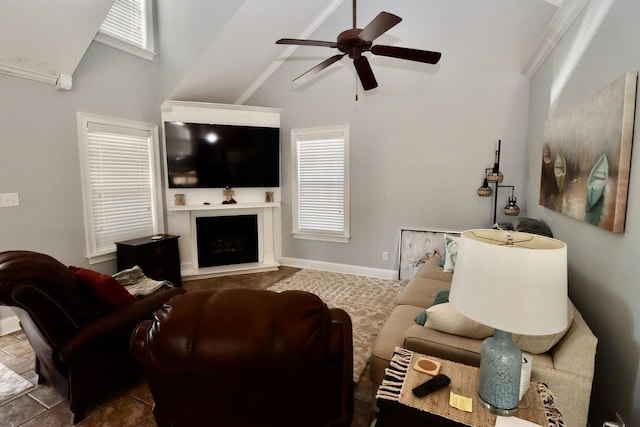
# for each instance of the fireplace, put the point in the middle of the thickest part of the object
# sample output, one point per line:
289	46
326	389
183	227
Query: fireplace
227	240
184	221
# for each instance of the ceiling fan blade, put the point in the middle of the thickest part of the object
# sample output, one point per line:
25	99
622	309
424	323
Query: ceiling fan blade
405	53
380	25
315	70
365	73
302	42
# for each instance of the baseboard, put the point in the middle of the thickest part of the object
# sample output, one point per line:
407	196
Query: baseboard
340	268
9	325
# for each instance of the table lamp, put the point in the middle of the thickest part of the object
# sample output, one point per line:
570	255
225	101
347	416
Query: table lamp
515	283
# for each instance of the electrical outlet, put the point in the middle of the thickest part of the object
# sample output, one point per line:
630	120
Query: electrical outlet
385	256
9	199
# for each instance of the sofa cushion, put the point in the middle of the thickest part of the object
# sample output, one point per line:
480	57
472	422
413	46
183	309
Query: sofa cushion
537	344
445	318
443	345
456	348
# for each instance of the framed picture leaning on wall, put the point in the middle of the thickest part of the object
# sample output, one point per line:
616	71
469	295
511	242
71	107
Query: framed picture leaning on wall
419	246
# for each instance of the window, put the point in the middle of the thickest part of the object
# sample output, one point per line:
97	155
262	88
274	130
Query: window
120	182
321	183
129	27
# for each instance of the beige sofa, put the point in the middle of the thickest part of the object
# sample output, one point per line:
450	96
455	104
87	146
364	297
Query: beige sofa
567	367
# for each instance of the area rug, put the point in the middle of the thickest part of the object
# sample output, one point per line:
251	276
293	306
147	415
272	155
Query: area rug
11	384
369	301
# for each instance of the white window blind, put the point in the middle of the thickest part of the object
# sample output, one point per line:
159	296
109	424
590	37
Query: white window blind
321	185
129	27
118	181
126	21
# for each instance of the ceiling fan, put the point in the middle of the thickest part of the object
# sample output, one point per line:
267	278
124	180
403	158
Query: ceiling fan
355	41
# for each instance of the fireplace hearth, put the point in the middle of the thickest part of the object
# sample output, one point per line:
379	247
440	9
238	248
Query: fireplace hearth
227	240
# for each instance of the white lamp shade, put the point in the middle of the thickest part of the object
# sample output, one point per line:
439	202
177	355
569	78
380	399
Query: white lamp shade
520	289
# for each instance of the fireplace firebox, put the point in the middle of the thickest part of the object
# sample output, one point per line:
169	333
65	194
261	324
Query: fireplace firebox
227	240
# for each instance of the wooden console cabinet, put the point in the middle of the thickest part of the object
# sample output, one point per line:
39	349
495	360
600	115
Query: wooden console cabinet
158	258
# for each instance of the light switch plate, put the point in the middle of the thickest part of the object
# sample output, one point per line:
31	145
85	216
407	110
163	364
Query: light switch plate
9	199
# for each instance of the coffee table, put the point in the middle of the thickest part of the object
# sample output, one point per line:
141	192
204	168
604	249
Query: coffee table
398	406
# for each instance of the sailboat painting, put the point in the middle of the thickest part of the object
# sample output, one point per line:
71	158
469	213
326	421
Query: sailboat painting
586	156
560	170
597	181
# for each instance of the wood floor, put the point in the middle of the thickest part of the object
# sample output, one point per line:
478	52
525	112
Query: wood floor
45	407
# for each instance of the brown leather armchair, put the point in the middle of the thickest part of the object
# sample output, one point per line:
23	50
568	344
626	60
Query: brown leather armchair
81	346
248	357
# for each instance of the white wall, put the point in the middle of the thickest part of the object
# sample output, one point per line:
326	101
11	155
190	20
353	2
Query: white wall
603	267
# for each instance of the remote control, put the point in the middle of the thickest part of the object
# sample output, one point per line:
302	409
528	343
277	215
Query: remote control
431	385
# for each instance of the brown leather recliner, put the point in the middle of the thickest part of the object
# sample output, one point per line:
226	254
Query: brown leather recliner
248	357
81	346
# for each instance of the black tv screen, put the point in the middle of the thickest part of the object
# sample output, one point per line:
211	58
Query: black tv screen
217	156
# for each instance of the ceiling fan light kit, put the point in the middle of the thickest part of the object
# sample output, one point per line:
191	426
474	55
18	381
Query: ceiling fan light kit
356	41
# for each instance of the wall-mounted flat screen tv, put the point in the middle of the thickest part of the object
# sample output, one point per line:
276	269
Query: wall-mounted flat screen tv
217	156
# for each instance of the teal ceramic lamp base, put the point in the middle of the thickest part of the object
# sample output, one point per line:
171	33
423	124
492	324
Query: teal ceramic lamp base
500	369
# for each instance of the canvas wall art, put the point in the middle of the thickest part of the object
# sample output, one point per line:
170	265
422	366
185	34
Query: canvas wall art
417	247
586	156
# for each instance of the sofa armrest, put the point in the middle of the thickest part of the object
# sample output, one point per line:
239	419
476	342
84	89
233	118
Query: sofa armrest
114	323
432	270
421	292
575	352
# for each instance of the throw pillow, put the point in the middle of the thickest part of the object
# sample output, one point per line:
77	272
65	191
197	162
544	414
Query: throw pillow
107	289
441	297
445	318
530	225
450	252
421	318
538	344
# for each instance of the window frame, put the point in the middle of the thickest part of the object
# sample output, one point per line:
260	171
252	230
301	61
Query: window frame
157	215
310	234
148	52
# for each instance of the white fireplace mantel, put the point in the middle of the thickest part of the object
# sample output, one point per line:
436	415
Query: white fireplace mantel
223	207
182	222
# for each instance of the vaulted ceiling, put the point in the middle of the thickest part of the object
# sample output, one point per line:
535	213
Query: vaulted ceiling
45	40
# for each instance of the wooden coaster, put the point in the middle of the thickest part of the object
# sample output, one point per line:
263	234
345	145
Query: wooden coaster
427	366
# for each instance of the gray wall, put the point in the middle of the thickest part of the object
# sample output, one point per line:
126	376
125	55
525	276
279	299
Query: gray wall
38	137
419	142
39	150
419	146
601	45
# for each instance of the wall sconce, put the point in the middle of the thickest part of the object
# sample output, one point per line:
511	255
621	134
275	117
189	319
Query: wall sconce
494	176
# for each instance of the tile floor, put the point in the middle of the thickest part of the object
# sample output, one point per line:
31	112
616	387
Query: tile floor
44	407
